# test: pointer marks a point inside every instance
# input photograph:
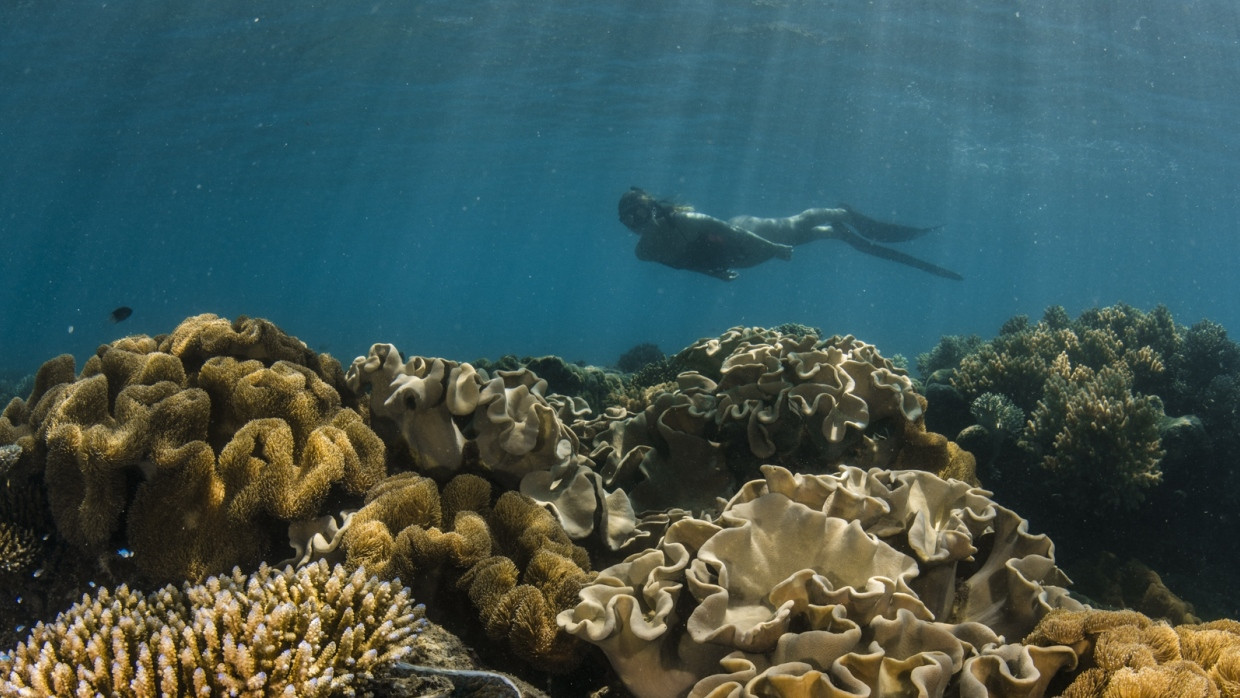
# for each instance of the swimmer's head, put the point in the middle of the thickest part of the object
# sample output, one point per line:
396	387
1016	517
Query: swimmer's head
640	212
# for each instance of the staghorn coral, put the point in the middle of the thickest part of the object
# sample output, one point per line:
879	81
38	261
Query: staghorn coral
307	632
1095	437
1124	653
509	558
188	460
829	582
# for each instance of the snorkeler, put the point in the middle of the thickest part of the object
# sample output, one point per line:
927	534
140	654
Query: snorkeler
681	238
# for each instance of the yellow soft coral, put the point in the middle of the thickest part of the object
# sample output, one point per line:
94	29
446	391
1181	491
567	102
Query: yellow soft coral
510	559
198	455
1124	653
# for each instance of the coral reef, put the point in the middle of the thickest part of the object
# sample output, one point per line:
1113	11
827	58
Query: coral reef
1100	464
438	405
188	457
947	354
999	422
758	396
1123	653
307	632
852	564
830	582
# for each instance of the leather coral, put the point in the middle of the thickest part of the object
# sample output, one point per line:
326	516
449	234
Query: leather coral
800	571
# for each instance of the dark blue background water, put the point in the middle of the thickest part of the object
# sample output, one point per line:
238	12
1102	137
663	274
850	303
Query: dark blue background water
443	175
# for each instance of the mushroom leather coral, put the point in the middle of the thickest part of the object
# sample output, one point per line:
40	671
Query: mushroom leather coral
185	463
805	569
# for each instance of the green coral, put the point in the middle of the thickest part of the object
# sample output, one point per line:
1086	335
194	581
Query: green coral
638	356
997	414
947	354
590	383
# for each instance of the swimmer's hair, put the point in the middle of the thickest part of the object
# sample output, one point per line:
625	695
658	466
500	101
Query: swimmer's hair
637	198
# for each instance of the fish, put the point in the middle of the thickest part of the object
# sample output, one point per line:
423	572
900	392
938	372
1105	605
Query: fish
120	314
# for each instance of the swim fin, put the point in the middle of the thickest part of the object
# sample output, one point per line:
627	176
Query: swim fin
870	248
880	231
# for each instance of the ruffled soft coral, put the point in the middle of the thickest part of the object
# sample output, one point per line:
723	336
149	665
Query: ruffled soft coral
830	582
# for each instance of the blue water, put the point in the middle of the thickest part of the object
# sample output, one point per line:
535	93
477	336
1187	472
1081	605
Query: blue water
444	175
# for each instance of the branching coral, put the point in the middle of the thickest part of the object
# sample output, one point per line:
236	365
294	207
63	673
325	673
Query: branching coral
308	632
1018	362
830	583
1088	385
1095	437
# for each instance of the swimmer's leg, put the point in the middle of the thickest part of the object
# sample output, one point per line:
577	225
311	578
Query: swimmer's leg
862	245
879	230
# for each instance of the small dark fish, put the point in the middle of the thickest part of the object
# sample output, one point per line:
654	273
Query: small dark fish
121	314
